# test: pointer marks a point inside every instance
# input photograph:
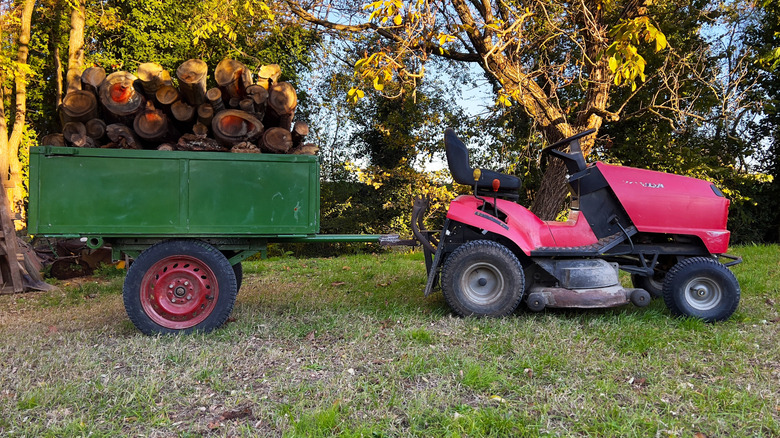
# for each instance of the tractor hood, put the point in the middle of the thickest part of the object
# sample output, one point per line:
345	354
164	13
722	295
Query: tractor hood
665	203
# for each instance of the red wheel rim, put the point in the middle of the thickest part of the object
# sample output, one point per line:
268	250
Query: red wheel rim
179	292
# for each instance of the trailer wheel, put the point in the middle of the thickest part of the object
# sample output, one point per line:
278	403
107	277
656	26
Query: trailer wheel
483	278
179	286
654	285
703	288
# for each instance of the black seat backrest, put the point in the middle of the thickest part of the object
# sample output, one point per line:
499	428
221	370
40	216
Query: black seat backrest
463	173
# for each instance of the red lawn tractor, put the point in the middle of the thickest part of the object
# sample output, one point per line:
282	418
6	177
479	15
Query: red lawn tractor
668	231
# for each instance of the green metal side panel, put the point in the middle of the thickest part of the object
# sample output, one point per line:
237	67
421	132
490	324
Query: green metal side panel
126	193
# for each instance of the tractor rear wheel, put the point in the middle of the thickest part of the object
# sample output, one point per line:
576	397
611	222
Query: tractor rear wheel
702	288
483	278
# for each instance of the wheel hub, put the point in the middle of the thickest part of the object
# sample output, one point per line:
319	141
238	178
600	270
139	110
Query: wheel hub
179	292
702	293
483	283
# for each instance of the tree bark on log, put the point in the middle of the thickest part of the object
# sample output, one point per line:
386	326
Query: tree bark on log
233	77
299	132
276	140
192	142
214	96
282	102
123	136
246	148
152	76
91	78
96	129
305	149
259	96
235	126
120	98
268	75
151	124
78	106
192	76
205	114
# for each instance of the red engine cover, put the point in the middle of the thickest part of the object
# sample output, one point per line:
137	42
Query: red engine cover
665	203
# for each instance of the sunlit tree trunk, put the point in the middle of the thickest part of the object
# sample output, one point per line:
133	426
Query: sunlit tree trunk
76	46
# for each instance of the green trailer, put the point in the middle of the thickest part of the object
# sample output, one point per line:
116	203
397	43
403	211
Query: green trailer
187	218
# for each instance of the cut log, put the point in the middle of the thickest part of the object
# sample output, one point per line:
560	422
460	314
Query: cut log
235	126
91	78
152	76
214	96
183	112
119	96
232	78
245	147
247	105
96	129
234	103
192	76
268	75
151	124
205	114
53	140
282	101
200	130
78	106
75	134
299	132
166	95
276	140
305	149
192	142
123	136
165	147
259	96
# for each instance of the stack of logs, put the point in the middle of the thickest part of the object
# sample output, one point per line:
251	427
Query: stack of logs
146	110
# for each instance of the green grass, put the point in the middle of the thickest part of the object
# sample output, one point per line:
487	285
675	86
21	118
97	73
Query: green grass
348	346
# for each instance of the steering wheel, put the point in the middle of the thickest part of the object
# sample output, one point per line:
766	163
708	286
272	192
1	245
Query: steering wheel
574	160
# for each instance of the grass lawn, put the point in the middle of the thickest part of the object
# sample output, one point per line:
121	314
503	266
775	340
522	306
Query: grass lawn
349	346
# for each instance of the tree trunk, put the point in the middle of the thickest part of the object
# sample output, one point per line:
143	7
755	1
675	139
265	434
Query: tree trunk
282	101
276	140
192	76
235	126
268	75
76	45
232	78
54	48
152	76
10	150
91	78
78	106
120	98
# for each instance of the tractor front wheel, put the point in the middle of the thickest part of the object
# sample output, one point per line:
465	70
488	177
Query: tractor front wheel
179	286
483	278
702	288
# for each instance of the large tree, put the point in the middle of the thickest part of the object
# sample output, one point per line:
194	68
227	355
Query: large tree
559	60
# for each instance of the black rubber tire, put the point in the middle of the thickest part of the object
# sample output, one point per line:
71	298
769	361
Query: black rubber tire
483	278
654	285
640	297
535	302
702	288
210	265
238	270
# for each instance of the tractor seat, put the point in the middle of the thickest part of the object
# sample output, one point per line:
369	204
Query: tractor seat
463	173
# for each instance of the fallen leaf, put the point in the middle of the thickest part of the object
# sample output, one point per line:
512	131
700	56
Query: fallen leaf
232	415
213	425
770	302
338	283
346	268
699	435
497	398
51	330
310	336
383	284
528	372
